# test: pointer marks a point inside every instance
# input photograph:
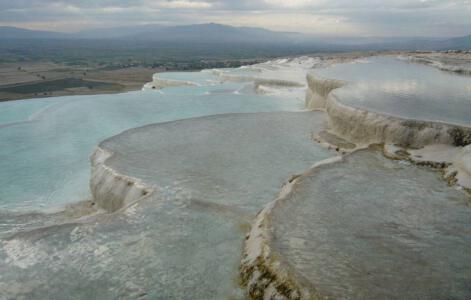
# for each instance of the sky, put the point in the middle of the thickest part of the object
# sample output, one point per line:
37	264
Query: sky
386	18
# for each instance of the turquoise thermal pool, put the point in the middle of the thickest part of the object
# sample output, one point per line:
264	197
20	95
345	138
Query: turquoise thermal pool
210	176
178	173
46	143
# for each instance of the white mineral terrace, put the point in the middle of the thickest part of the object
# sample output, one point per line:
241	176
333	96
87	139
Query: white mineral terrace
195	162
387	100
367	227
362	228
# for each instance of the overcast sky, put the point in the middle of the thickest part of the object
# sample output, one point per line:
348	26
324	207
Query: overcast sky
320	17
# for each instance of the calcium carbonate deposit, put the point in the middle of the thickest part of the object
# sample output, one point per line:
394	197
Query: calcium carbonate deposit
223	184
364	228
46	143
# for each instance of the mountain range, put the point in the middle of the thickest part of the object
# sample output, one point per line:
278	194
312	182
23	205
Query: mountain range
199	32
223	34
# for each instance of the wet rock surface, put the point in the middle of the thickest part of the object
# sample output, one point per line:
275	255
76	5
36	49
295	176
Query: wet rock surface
372	228
209	177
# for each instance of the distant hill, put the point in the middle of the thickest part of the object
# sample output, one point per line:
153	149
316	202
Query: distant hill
7	32
115	32
459	43
212	33
201	33
217	33
406	44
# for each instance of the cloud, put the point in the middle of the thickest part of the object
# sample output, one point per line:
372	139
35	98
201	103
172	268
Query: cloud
294	3
320	17
182	4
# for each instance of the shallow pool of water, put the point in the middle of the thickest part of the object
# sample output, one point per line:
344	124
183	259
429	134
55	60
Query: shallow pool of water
211	175
46	143
371	228
397	87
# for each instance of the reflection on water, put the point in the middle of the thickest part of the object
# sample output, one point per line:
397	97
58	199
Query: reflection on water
393	86
371	228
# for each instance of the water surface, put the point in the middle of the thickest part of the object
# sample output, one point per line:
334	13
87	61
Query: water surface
46	143
396	87
211	176
371	228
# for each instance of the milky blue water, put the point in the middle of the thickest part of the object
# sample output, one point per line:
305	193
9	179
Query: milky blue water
45	143
210	175
21	110
396	87
195	77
